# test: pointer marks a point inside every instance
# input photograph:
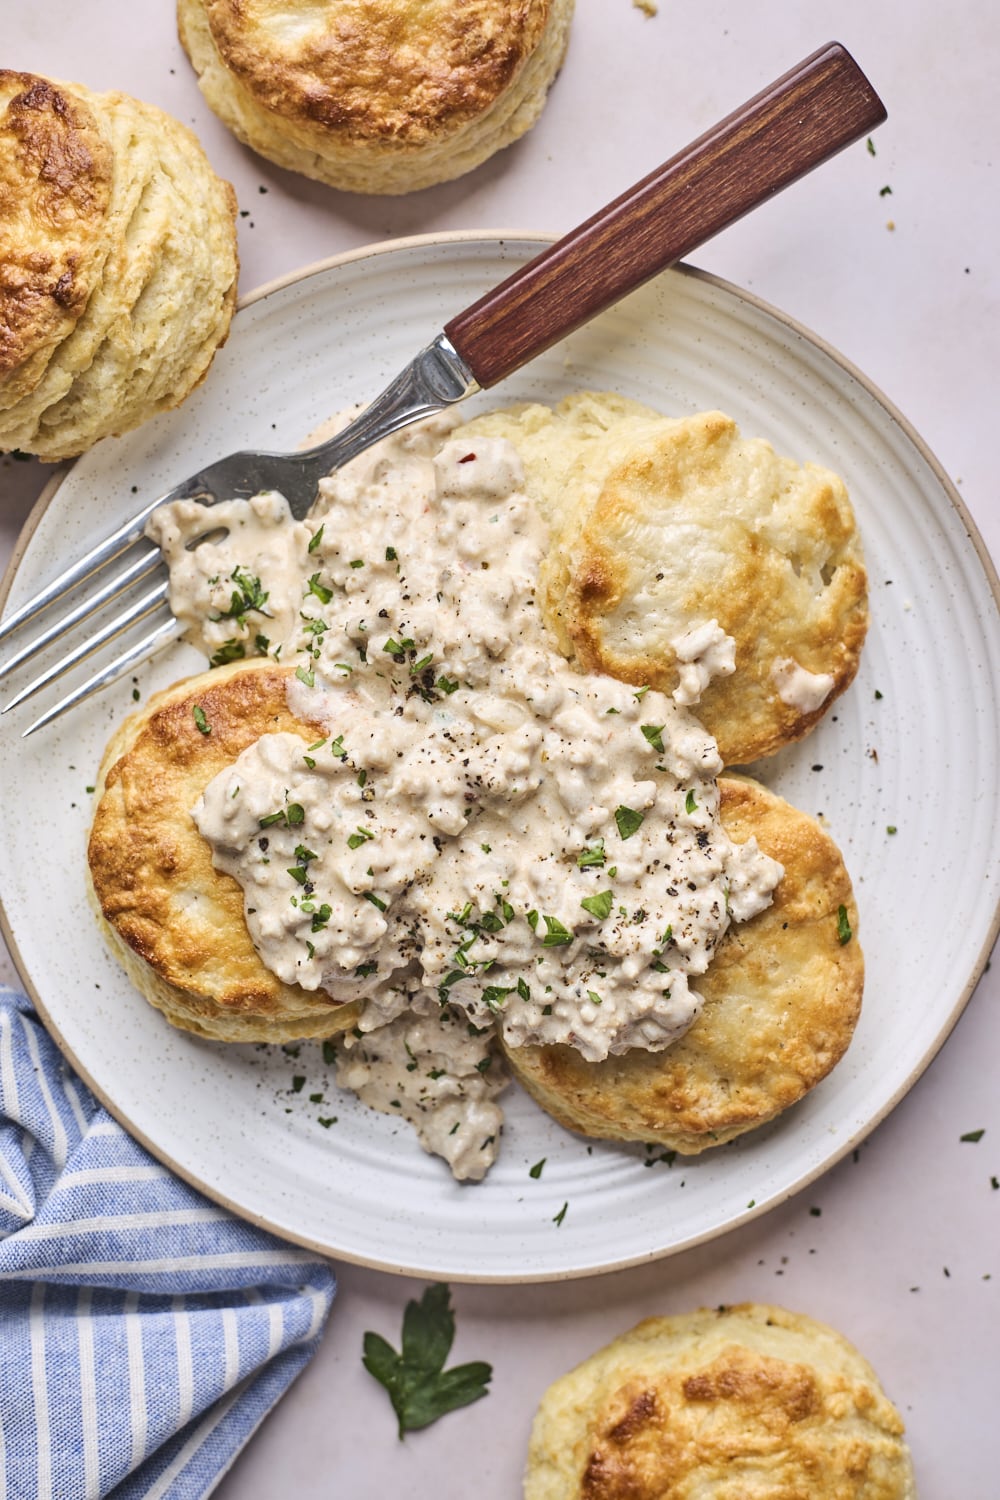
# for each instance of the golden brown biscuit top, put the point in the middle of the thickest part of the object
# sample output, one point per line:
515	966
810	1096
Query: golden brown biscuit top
151	869
403	69
55	187
746	1403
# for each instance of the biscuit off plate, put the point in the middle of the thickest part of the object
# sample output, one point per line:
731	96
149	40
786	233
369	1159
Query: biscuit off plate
228	1118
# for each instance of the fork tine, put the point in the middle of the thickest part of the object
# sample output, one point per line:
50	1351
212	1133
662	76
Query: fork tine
96	558
168	631
142	607
144	564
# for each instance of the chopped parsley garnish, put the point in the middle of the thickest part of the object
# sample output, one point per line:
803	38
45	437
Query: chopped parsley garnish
641	692
375	901
493	997
361	837
593	855
262	644
558	1218
321	591
291	816
844	933
201	723
319	921
556	935
447	685
315	539
231	650
654	734
306	675
629	821
536	1170
357	562
420	1388
246	596
390	554
600	905
690	802
972	1135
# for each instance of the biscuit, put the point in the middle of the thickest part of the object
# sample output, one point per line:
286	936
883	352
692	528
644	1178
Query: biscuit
782	997
739	1403
118	264
376	96
661	525
173	920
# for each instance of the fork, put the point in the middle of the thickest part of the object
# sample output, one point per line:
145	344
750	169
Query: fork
819	107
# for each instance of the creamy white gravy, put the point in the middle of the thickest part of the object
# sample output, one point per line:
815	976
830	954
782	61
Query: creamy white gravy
800	689
483	837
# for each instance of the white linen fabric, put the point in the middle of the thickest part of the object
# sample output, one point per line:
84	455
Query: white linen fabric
144	1332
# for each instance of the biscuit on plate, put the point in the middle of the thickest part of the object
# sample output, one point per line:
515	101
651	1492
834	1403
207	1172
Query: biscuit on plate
662	525
782	996
174	921
376	96
736	1403
118	264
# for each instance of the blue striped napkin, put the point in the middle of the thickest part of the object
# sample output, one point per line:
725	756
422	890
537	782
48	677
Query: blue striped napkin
144	1332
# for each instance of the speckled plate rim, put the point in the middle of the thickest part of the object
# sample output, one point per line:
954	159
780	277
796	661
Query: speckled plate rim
849	1143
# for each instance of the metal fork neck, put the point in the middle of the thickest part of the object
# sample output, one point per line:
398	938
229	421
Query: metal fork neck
436	378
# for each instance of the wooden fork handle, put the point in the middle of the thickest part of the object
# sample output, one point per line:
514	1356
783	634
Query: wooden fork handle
801	120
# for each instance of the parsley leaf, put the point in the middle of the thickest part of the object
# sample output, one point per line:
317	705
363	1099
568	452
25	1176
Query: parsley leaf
844	933
246	596
231	650
629	821
200	721
420	1388
654	734
322	593
600	905
556	935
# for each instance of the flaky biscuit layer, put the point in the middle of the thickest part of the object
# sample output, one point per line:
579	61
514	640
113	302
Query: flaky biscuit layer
157	286
174	921
376	96
661	524
782	997
737	1403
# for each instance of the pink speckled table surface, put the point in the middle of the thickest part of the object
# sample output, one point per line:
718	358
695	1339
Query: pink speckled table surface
899	1245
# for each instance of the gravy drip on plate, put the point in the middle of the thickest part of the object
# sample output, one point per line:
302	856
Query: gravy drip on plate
483	837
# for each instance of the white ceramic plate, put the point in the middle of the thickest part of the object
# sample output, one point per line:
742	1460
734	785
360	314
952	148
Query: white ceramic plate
913	745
